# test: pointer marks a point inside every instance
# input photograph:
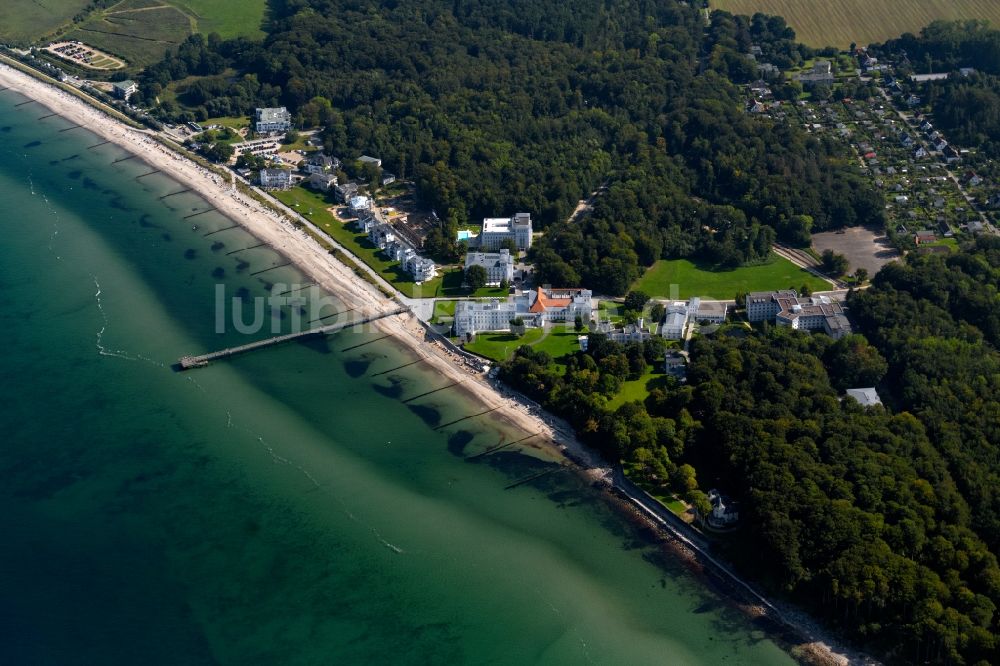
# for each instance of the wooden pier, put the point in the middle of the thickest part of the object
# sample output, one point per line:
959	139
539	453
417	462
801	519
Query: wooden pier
191	362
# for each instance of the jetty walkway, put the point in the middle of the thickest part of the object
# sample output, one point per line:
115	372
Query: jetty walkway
191	362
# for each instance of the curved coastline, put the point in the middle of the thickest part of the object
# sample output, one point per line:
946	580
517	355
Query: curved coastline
309	256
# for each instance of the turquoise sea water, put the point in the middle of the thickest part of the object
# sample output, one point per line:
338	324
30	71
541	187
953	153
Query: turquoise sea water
284	507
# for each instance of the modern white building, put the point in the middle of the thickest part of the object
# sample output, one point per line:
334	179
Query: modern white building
374	161
499	265
275	179
359	204
497	230
124	89
536	307
421	268
272	120
785	308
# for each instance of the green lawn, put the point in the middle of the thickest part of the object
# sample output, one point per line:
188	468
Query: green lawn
637	389
228	18
557	341
692	279
235	122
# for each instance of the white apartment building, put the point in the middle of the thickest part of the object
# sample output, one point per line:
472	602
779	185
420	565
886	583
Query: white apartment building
272	120
275	179
499	265
497	230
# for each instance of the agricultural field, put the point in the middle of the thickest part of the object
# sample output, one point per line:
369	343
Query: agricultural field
840	22
682	279
139	31
24	21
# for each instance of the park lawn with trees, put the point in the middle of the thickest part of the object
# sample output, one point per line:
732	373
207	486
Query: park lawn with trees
697	279
556	341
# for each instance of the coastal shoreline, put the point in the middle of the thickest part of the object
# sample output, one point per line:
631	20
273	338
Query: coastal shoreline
338	279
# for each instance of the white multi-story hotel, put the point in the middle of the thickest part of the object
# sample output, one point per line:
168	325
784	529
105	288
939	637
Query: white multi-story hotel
275	179
499	265
272	120
536	307
680	314
497	230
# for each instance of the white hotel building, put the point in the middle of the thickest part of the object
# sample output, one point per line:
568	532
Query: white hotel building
536	308
496	230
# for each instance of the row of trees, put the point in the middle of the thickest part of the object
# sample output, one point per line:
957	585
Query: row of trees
490	115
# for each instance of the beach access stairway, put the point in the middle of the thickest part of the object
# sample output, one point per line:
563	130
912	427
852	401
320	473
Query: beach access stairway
191	362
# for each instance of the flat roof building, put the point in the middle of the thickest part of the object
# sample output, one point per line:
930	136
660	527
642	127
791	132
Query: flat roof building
499	265
498	230
276	119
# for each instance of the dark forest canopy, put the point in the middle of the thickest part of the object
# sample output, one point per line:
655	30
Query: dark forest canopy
498	107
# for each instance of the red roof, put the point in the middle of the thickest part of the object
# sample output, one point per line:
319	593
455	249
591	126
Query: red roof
543	301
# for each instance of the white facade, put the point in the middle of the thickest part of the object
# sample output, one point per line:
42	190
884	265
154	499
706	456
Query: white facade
499	265
491	315
537	308
272	120
675	321
360	204
275	179
497	230
421	268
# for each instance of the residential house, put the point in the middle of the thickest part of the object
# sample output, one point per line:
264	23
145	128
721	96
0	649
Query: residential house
821	72
388	178
924	236
756	106
920	152
940	145
374	161
381	235
760	88
768	71
276	119
675	364
725	512
972	179
498	230
345	191
951	155
275	179
499	265
322	181
320	163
